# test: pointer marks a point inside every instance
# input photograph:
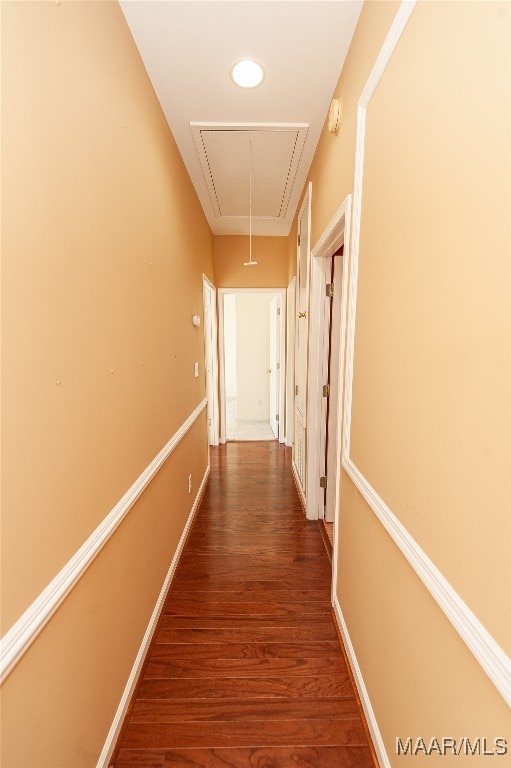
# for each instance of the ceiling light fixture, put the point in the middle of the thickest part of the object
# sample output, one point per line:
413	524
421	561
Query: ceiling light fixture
247	73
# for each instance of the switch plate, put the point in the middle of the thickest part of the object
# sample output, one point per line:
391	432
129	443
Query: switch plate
196	369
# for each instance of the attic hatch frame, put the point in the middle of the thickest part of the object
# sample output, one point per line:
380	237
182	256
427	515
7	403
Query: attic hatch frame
199	131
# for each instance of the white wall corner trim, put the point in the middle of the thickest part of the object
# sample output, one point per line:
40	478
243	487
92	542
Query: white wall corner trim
22	634
486	650
372	724
111	739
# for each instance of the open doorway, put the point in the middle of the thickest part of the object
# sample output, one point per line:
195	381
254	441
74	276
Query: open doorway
329	307
252	370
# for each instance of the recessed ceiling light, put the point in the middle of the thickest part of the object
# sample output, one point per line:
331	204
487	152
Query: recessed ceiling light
247	73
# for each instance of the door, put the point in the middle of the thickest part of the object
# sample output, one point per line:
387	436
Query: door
301	342
211	360
274	369
332	445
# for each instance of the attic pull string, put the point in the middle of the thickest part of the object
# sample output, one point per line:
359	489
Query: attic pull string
250	263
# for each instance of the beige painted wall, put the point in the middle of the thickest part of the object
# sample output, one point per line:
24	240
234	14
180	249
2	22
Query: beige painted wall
253	355
103	244
271	254
431	407
435	268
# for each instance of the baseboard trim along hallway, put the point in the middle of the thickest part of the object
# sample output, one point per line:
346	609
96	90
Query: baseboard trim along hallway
113	734
246	666
365	701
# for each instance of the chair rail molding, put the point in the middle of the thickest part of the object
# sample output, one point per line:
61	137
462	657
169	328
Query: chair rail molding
484	647
23	633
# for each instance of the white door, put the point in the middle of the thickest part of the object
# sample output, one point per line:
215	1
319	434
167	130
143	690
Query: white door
274	369
211	360
301	341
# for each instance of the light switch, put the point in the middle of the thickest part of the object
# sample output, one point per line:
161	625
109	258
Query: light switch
196	369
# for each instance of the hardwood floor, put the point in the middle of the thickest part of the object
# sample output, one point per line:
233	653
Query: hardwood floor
245	669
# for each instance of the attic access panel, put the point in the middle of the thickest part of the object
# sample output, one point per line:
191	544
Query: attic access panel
228	152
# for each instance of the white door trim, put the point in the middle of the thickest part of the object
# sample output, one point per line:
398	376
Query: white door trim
335	235
290	359
281	293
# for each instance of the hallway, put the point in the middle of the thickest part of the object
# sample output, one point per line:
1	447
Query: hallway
245	668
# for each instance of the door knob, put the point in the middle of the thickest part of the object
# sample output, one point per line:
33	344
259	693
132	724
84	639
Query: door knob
302	314
268	370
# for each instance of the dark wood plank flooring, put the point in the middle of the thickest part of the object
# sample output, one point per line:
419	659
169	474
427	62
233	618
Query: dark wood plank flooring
245	669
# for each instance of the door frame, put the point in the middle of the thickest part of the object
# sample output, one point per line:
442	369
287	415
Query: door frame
276	354
336	233
281	293
210	323
290	359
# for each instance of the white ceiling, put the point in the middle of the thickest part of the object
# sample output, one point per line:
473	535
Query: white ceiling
188	48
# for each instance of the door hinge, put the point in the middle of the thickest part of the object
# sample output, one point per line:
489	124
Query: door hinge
277	417
278	366
329	290
322	482
299	239
278	310
326	390
296	389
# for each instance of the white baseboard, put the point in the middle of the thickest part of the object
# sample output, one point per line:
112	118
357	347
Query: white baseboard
111	739
299	490
372	724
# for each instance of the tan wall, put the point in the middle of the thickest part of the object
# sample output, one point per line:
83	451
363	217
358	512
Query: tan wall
271	254
435	268
431	412
104	244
